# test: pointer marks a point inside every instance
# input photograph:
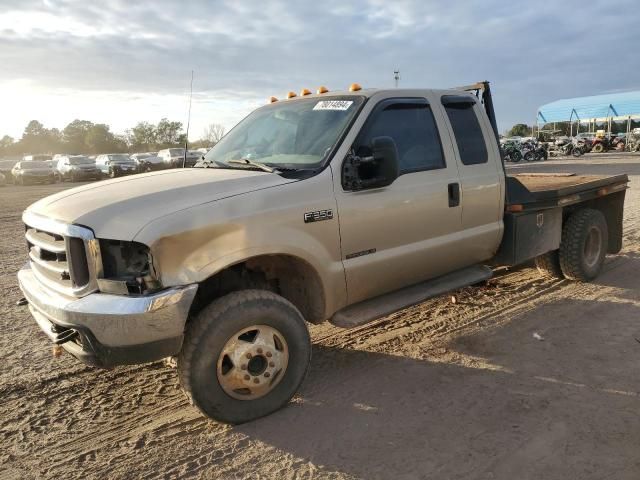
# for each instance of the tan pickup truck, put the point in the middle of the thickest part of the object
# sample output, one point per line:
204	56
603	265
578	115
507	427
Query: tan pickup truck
339	206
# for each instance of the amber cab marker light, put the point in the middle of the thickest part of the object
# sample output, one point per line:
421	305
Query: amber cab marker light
322	89
305	91
354	87
273	99
515	208
291	94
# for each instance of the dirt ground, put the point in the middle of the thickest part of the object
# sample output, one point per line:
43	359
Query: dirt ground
441	390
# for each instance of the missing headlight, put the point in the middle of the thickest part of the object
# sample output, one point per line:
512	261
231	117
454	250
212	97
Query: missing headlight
127	268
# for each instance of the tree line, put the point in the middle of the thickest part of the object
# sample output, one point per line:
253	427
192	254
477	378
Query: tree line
84	136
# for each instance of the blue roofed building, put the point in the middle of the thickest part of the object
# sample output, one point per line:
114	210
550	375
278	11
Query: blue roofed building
592	110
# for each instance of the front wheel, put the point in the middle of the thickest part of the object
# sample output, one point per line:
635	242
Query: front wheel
244	356
577	152
529	156
598	148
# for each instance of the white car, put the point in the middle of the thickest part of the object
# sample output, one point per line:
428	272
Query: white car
174	157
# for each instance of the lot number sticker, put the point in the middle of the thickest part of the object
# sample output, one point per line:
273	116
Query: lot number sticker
333	105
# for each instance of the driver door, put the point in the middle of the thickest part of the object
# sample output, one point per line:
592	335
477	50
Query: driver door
409	231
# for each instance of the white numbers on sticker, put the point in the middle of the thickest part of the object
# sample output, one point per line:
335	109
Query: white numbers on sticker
333	105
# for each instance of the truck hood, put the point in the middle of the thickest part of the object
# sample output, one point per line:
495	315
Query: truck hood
119	208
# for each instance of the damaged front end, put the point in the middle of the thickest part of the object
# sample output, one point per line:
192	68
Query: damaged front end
127	269
100	300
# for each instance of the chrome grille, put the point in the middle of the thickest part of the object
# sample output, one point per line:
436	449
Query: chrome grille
64	257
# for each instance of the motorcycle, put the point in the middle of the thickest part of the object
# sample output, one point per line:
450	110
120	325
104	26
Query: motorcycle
579	147
511	153
534	152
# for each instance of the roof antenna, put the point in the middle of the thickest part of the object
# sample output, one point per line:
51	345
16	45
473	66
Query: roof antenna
396	76
186	140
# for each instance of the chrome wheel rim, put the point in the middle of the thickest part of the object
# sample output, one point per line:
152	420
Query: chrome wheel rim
592	247
252	362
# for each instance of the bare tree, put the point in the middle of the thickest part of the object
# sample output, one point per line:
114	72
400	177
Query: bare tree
213	133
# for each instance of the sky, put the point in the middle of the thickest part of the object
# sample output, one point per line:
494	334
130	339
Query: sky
121	62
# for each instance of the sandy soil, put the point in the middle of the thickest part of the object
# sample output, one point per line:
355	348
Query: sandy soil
440	390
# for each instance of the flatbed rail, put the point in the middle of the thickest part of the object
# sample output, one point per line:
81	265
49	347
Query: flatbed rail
540	191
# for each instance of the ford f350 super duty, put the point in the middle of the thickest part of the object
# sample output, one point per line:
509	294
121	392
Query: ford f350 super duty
339	206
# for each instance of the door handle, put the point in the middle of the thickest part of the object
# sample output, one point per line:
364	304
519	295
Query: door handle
454	194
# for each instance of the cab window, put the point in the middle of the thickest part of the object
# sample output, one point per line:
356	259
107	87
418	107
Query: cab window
466	129
410	123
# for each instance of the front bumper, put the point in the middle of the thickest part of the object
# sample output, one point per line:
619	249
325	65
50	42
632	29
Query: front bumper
111	329
128	170
37	178
87	174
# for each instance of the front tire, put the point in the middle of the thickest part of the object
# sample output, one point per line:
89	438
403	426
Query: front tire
584	245
244	356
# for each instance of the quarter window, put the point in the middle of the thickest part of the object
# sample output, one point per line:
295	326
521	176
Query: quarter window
466	128
411	124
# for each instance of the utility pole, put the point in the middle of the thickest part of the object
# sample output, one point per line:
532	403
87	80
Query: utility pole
396	76
186	141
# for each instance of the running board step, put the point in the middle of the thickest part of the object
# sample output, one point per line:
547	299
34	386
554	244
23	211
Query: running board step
372	309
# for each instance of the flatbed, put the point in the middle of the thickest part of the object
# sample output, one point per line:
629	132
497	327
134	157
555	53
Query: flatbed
541	190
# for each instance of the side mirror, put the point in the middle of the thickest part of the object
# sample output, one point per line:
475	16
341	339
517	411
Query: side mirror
378	170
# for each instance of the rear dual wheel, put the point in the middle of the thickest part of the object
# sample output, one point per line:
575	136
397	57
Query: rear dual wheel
244	356
584	245
582	251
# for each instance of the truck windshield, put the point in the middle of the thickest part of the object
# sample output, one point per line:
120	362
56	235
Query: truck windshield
119	158
33	164
294	134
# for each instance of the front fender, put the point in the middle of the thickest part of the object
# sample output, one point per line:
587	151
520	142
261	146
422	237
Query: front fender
192	245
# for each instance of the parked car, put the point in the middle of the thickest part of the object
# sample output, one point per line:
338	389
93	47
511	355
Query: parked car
33	171
116	165
77	168
41	157
174	157
148	161
353	205
5	169
54	166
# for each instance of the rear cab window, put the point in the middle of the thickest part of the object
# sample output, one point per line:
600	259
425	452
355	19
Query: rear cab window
469	137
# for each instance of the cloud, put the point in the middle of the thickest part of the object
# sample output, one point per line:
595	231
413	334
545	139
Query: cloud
533	52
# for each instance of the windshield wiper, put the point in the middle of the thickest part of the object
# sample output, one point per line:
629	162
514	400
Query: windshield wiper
207	163
246	161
